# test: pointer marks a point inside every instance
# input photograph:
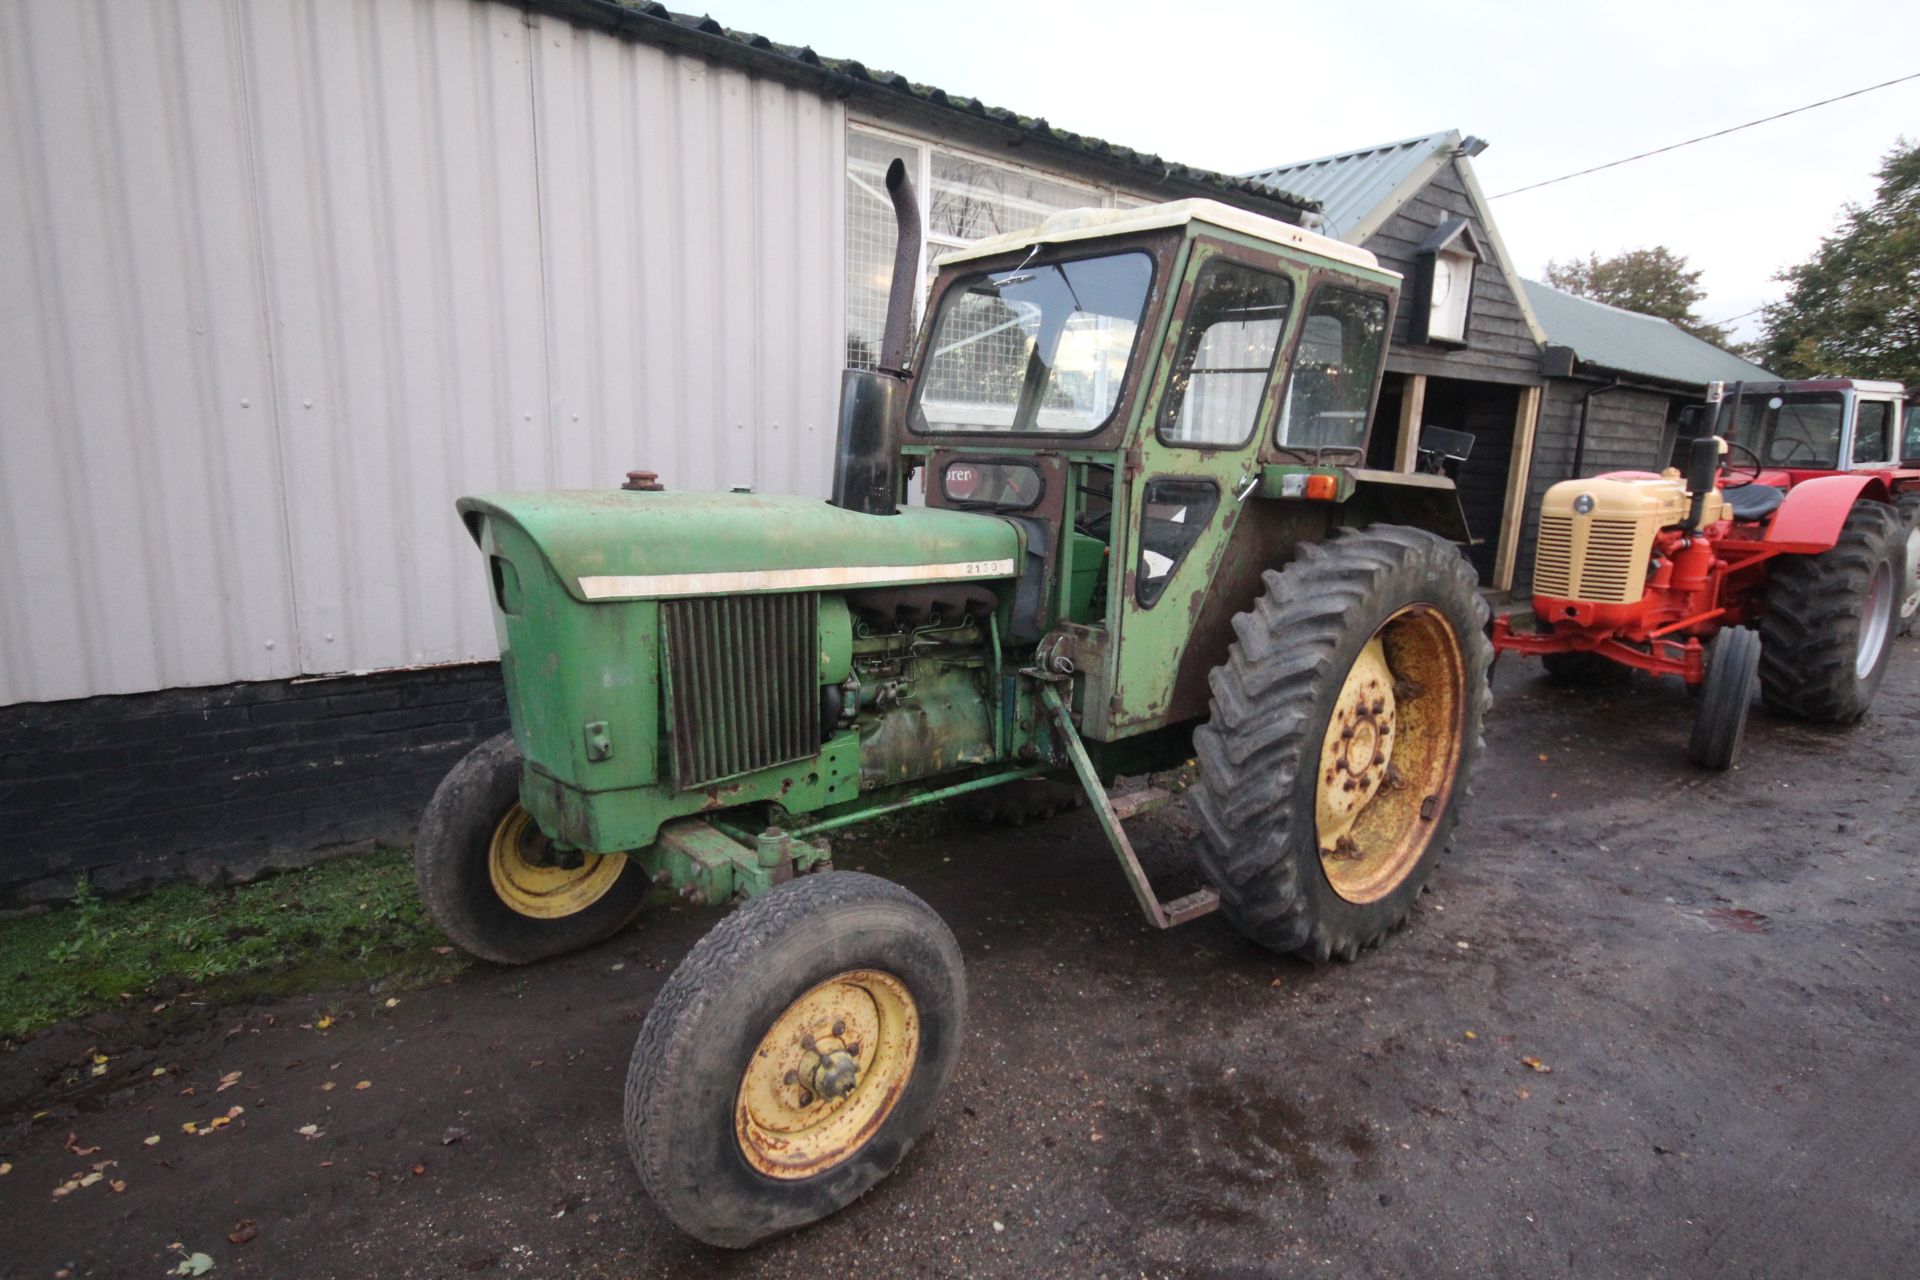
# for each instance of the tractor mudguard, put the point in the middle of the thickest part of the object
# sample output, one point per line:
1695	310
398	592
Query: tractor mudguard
1400	497
1809	521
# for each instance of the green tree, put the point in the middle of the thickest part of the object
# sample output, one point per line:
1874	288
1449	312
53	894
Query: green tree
1853	309
1654	282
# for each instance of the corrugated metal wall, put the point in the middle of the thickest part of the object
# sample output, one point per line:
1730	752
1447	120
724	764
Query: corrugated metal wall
285	277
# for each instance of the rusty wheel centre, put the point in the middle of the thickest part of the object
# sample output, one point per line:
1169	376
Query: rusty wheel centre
827	1074
1390	753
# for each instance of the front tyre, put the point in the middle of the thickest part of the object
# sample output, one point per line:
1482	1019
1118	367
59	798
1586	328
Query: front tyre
496	886
1345	726
794	1056
1830	620
1720	719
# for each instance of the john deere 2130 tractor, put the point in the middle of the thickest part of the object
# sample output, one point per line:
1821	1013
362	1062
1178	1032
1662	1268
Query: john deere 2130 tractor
1146	534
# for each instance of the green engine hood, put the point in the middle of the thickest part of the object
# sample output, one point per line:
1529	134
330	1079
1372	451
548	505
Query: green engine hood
621	545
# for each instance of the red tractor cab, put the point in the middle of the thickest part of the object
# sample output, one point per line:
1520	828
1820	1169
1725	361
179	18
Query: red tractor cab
1786	553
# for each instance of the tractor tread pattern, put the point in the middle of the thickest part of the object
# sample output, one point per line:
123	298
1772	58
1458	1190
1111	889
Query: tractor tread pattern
1258	745
1810	633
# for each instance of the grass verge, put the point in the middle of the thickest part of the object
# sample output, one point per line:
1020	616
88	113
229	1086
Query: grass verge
353	919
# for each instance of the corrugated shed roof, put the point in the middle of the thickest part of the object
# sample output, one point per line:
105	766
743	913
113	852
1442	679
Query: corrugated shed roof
1352	184
1629	342
656	24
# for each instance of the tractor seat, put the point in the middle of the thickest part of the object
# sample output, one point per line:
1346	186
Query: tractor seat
1753	501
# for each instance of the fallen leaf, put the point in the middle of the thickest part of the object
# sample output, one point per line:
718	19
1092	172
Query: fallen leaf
1543	757
64	1189
364	1084
73	1145
242	1232
194	1264
323	1023
327	1087
158	1071
1522	1094
227	1081
5	1168
419	1169
308	1131
392	1001
151	1140
452	1136
100	1059
118	1186
1537	1065
218	1122
1473	1035
91	1178
189	1127
99	1069
235	1112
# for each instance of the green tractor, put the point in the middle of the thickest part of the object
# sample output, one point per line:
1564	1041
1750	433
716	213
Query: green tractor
1147	535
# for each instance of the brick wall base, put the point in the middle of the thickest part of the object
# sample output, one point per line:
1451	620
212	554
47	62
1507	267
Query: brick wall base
219	784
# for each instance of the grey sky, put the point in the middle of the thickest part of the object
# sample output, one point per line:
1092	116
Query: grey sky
1235	86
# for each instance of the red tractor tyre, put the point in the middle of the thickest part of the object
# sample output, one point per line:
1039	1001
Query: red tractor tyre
1830	620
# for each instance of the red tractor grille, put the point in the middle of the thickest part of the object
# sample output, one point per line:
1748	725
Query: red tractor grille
743	683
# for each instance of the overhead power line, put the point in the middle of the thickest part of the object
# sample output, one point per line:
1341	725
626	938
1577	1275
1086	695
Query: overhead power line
1718	133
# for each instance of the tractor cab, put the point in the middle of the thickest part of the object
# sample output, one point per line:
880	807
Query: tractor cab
1783	433
1117	384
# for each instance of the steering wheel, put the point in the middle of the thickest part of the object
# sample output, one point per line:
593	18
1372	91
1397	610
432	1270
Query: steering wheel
1751	471
1793	443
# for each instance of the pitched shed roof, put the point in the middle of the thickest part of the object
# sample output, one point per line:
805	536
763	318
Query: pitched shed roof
844	78
1628	342
1350	185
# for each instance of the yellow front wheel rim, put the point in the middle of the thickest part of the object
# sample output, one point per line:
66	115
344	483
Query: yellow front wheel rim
540	891
1391	754
827	1074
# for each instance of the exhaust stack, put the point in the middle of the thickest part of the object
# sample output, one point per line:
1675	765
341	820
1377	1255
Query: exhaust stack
866	459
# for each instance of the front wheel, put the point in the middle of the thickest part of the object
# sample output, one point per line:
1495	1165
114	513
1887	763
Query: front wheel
1720	719
495	884
1345	726
794	1056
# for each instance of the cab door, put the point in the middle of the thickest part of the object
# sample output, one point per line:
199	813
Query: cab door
1194	463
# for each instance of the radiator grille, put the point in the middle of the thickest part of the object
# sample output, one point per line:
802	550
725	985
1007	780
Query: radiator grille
1605	564
1553	558
743	679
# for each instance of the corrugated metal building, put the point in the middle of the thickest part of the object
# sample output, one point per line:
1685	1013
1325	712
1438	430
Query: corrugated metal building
285	277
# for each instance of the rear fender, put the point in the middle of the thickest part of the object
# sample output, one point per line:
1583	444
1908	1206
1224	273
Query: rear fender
1399	497
1809	520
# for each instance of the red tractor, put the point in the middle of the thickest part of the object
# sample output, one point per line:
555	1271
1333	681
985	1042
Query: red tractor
1790	550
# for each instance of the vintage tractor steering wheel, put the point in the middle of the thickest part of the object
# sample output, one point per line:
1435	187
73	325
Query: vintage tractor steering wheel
1751	470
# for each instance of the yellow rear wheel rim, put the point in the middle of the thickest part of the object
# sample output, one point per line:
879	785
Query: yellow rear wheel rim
544	892
1391	754
827	1074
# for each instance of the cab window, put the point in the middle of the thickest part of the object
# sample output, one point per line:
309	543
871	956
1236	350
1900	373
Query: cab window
1220	374
1173	515
1872	425
1333	371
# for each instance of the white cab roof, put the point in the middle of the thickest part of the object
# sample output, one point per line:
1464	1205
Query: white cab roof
1086	224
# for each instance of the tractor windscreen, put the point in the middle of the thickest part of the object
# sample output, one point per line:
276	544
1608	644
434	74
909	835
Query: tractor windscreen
1038	349
1791	428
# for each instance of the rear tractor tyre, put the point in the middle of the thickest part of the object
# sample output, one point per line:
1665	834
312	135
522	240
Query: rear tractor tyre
1720	719
1025	800
794	1057
1345	727
1825	638
1908	507
492	881
1577	667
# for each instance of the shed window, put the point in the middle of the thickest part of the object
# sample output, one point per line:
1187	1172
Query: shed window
963	198
1334	369
1233	330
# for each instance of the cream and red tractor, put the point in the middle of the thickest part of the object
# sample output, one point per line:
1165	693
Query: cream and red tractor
1788	552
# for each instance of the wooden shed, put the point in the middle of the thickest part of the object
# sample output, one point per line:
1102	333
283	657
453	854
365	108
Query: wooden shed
1466	352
